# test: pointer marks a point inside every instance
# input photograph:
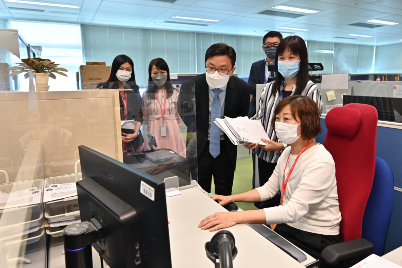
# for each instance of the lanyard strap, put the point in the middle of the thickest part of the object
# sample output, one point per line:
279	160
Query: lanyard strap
285	182
123	95
164	106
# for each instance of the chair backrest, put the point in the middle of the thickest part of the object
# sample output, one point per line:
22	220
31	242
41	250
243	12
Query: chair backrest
351	140
377	215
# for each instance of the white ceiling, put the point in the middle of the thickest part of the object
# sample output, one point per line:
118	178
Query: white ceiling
236	17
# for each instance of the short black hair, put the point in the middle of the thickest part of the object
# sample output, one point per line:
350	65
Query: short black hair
117	62
221	49
272	34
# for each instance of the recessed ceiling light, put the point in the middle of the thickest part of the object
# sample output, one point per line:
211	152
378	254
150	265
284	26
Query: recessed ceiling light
360	35
296	9
296	29
383	22
187	18
41	4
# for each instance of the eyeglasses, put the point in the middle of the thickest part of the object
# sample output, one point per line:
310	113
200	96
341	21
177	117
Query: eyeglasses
220	71
267	44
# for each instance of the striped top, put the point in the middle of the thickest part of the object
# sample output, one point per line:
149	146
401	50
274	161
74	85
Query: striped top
266	111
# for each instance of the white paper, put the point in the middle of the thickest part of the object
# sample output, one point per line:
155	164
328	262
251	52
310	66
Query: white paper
243	130
59	191
174	76
374	261
222	125
335	81
172	192
397	91
20	198
127	124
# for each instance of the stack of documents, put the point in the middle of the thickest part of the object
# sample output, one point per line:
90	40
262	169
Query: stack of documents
242	130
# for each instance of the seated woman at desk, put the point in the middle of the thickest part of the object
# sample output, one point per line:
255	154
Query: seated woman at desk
122	77
160	109
309	215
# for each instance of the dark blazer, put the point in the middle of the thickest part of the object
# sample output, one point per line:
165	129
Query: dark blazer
134	100
237	101
257	76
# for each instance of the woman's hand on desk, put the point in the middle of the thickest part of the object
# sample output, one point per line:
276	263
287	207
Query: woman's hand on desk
218	221
271	145
251	146
222	199
156	170
129	137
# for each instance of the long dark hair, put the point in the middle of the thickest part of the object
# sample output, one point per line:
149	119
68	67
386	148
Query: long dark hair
297	46
117	62
160	64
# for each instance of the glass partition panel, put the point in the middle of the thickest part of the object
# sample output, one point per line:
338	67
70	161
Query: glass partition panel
166	145
39	137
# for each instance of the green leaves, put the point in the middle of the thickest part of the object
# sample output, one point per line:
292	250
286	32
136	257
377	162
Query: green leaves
38	65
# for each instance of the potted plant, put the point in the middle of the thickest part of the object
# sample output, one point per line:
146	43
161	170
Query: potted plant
42	69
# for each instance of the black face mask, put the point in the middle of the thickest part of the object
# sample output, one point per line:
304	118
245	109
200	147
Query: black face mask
270	52
159	79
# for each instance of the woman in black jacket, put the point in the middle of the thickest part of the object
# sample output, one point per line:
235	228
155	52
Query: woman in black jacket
122	77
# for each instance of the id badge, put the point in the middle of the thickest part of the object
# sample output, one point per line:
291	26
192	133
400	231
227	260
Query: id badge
163	131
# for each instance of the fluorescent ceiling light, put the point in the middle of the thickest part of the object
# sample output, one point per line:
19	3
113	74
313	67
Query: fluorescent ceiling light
324	51
360	35
296	29
187	18
296	9
41	4
383	22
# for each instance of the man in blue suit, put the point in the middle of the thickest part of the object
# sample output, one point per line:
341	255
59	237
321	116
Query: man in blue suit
259	72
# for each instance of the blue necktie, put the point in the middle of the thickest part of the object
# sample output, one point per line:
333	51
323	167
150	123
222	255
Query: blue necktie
215	133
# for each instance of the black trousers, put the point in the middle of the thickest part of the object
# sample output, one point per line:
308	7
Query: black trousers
310	243
220	167
265	171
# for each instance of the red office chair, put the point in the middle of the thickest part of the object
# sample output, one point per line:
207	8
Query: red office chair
351	140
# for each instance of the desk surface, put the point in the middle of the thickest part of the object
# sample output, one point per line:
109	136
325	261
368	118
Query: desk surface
187	241
394	256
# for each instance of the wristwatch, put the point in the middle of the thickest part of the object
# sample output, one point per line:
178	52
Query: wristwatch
284	146
135	131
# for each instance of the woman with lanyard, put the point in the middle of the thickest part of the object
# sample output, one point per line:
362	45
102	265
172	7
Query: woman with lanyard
122	77
160	109
308	215
292	78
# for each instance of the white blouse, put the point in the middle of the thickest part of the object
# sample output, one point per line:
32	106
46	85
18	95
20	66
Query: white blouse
310	202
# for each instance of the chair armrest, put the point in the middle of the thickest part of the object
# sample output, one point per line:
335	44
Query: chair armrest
345	250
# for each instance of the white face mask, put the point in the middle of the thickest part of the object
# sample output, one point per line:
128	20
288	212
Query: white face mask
216	80
123	76
286	133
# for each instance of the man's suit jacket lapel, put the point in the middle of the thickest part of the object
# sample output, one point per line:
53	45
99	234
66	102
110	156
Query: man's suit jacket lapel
203	95
261	71
230	97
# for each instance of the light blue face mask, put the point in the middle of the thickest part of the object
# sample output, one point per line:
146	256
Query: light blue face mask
288	68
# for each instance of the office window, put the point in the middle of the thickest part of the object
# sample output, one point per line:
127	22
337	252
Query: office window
61	43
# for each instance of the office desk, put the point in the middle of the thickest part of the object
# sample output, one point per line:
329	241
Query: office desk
187	241
394	256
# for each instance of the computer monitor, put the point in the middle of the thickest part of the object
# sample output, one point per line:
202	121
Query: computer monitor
134	233
388	109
